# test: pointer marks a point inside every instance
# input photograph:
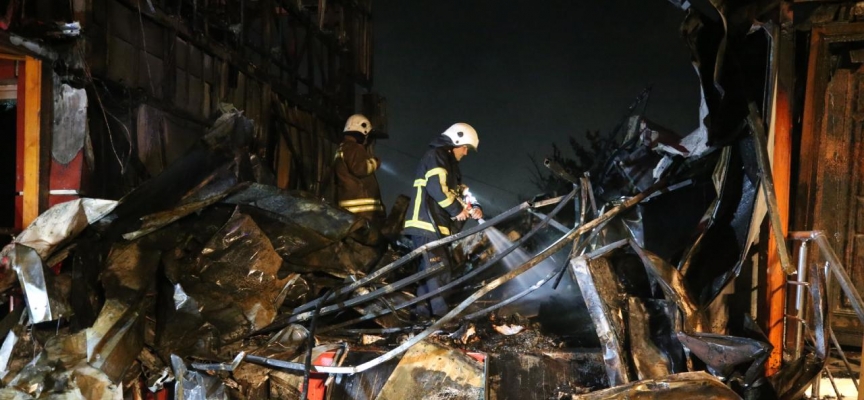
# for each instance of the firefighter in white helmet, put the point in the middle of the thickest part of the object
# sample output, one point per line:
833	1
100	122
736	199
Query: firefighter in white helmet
440	204
357	187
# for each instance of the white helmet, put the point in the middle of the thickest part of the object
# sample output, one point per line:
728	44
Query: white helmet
358	123
463	134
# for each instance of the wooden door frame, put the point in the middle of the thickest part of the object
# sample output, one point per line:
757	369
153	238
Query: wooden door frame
33	140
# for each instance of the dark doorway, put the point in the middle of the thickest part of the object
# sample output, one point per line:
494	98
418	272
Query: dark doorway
8	146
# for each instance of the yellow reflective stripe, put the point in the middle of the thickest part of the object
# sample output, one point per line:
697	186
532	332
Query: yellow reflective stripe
442	178
417	202
371	166
420	182
448	201
359	209
437	171
413	223
358	202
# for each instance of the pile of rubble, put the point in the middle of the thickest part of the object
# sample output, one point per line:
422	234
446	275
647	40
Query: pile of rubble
210	282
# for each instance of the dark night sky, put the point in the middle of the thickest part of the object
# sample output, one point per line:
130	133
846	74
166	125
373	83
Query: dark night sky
525	74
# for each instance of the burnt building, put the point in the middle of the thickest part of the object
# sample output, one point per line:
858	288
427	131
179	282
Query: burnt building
101	95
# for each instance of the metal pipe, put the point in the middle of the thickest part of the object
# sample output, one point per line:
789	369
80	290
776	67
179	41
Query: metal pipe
390	288
513	298
840	273
410	256
383	331
814	391
766	178
547	202
498	257
842	355
833	384
546	253
799	297
553	223
560	272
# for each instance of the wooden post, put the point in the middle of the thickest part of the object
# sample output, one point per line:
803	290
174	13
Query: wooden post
781	125
31	79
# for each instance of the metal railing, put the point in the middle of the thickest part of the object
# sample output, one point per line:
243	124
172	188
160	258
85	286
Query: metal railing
832	267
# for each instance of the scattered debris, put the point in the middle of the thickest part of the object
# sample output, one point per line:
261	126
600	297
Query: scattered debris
509	329
211	279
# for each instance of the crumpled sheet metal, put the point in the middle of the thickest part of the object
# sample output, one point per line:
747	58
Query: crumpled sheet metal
155	373
718	179
288	239
334	223
214	188
180	327
115	340
649	361
795	377
40	379
192	385
44	297
129	271
159	220
341	259
67	350
6	352
672	284
242	263
434	371
70	117
229	290
723	354
32	378
686	385
600	290
62	222
721	248
18	350
820	321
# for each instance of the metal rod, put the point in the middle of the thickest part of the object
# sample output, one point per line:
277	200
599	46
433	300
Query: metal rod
547	202
498	257
833	384
767	179
513	298
796	283
814	391
276	325
386	289
842	355
840	273
799	297
546	253
383	331
553	223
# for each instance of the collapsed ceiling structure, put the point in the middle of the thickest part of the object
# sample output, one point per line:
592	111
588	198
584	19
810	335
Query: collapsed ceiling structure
208	281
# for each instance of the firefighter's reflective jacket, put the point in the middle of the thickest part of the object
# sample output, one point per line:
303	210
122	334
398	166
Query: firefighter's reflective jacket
434	194
356	185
